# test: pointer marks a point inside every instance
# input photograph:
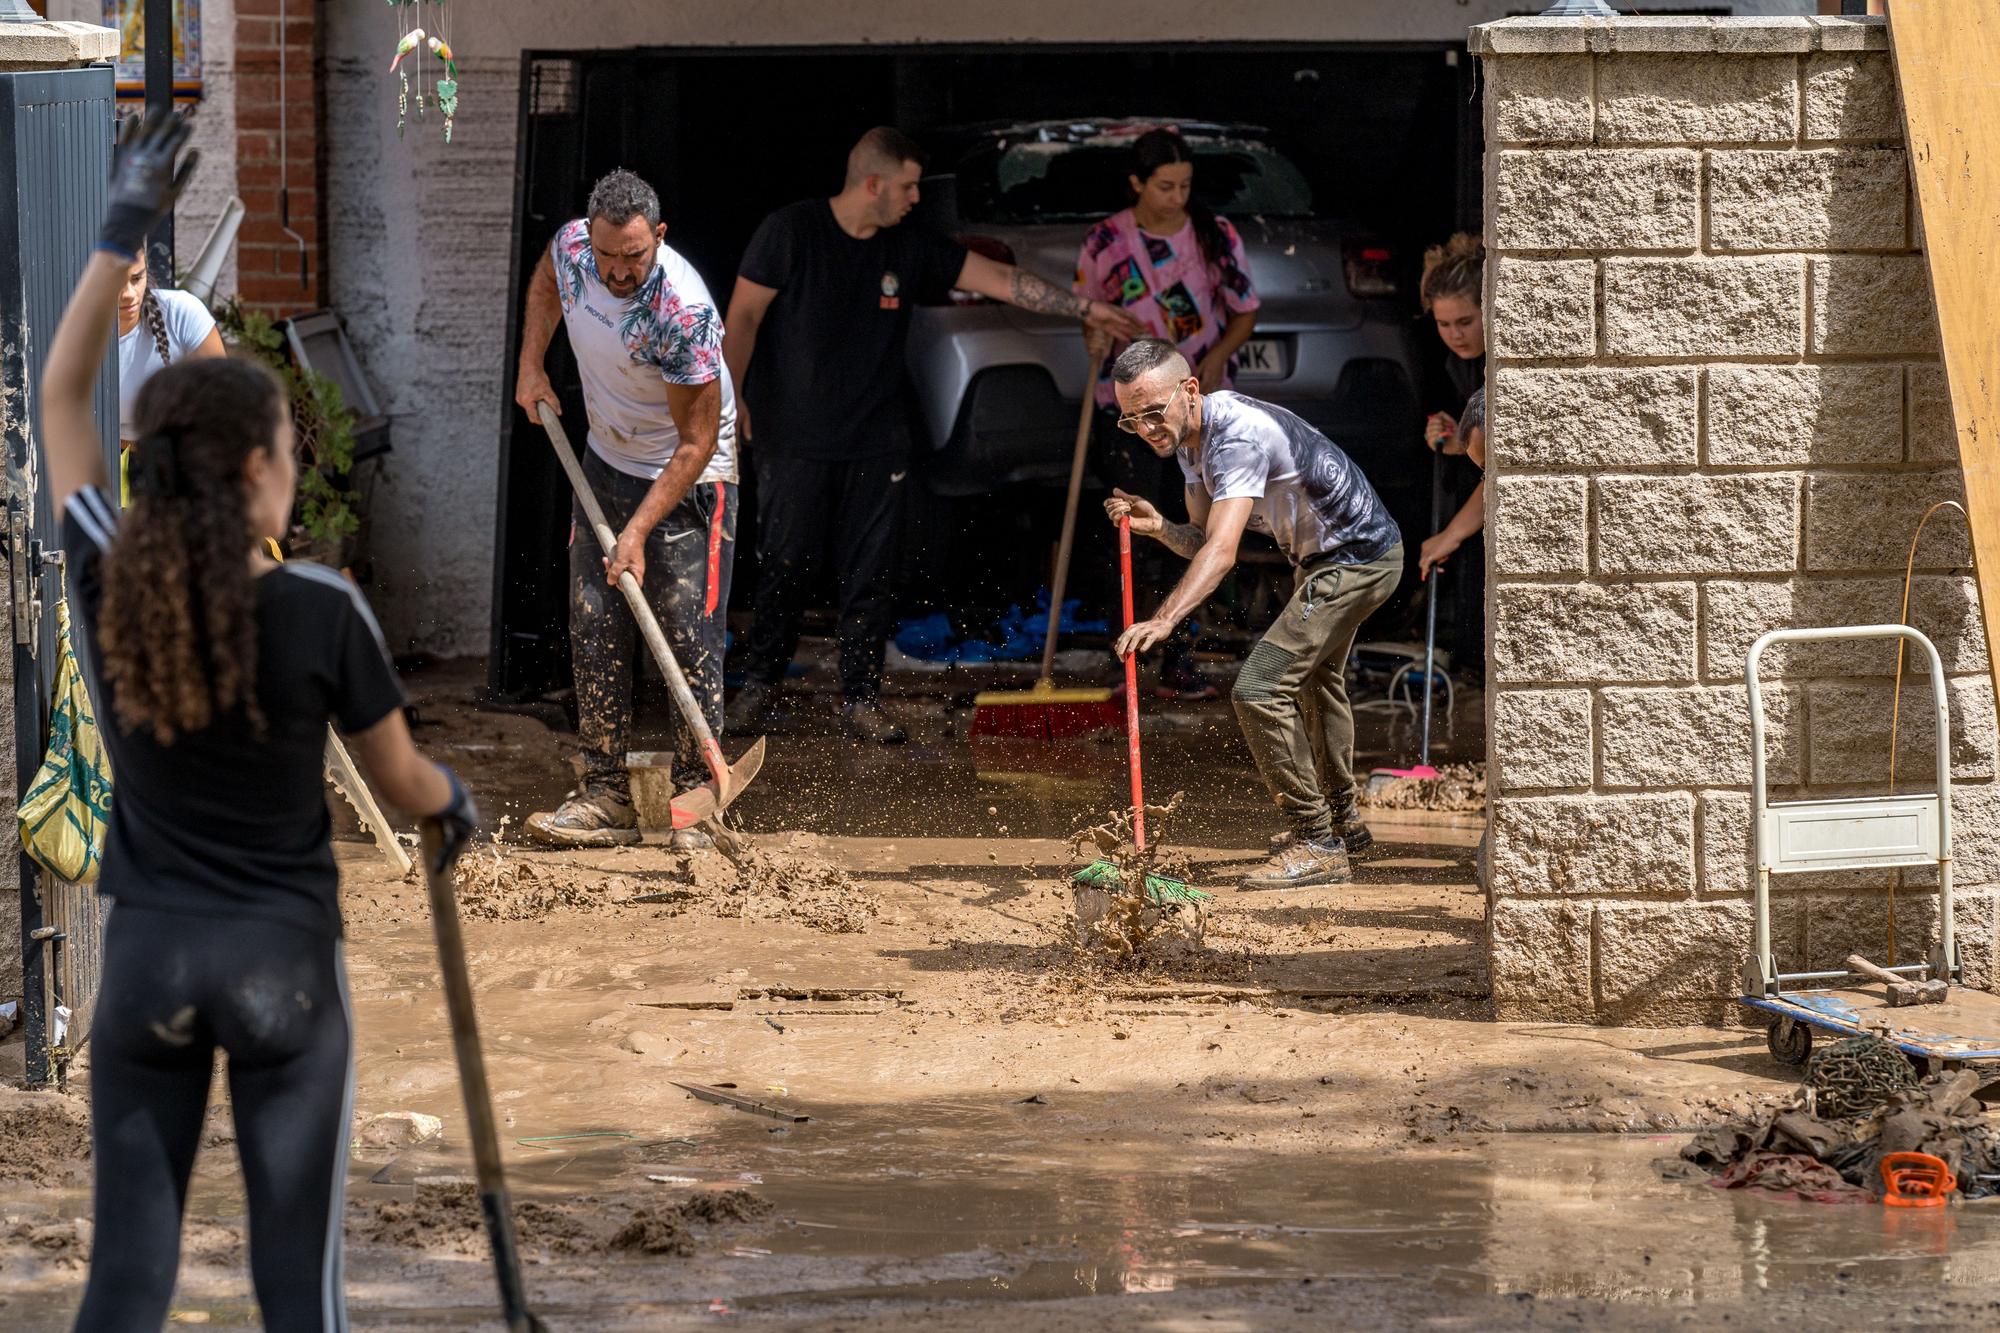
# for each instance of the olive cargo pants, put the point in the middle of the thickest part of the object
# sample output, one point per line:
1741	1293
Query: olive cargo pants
1291	696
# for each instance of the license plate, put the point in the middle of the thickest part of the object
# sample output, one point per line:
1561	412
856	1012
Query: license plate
1260	359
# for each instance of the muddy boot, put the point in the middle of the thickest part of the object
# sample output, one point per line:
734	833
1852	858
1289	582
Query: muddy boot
1302	864
750	709
691	840
867	720
589	817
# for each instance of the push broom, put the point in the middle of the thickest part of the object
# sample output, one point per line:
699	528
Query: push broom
1101	873
1045	713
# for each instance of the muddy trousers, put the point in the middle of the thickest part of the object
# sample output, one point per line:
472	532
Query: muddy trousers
1291	695
804	508
273	996
689	558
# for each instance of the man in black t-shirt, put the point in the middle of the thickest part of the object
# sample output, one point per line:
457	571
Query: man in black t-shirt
822	309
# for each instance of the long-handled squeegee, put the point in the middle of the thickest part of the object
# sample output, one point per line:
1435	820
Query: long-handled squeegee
698	805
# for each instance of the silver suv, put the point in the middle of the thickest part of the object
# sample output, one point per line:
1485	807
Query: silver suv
997	388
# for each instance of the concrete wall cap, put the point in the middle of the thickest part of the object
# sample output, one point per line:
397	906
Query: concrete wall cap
1681	35
55	44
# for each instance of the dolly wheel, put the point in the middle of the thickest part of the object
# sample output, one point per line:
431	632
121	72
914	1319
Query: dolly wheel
1790	1041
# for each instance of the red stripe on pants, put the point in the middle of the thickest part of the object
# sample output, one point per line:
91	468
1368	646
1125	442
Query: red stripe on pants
715	548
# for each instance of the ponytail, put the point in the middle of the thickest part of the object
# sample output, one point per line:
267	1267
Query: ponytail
156	324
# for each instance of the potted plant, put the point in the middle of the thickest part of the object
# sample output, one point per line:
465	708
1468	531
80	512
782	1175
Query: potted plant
326	522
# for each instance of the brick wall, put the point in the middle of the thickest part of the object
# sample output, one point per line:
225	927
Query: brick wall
1715	409
278	146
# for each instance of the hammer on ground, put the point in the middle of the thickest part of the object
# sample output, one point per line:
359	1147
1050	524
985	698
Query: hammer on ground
1902	990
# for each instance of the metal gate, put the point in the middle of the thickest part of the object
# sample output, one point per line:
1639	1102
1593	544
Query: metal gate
55	159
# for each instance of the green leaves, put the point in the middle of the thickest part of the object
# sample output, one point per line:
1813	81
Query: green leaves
326	510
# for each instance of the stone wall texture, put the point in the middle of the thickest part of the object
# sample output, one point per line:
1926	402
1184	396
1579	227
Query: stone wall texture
1715	409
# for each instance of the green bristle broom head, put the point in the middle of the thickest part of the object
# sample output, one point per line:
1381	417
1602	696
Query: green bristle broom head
1160	889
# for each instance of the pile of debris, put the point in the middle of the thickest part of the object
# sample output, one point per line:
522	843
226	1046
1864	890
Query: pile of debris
1860	1102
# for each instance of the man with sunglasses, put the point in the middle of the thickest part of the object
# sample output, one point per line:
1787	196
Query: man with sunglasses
1251	465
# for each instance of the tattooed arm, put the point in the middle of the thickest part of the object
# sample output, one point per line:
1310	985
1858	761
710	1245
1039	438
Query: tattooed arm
1018	287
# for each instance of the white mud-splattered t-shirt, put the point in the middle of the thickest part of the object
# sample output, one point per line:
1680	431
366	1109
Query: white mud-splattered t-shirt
628	351
1312	499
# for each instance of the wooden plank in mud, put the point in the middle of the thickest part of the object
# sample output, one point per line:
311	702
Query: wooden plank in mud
1946	54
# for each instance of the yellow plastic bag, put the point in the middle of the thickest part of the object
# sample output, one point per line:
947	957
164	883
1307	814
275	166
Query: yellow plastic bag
63	816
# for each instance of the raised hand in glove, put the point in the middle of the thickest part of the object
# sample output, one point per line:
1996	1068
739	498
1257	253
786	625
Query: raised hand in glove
144	183
456	823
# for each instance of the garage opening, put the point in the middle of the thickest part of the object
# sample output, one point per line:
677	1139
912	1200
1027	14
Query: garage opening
1384	143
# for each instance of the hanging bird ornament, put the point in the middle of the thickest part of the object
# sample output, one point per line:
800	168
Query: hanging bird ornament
420	33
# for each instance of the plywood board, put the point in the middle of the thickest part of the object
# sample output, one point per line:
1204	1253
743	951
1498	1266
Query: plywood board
1947	55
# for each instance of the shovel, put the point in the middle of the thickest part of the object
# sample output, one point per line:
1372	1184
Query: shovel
698	805
493	1201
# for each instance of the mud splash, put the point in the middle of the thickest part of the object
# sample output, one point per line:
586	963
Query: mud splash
787	883
1120	919
1457	787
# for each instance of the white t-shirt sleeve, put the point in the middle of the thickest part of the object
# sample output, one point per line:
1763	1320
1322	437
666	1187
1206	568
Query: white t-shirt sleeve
1238	469
188	321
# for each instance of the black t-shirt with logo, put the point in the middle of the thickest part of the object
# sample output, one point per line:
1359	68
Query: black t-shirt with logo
229	820
827	378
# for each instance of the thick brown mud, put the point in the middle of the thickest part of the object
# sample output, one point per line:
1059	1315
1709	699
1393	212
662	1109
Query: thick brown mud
1306	1119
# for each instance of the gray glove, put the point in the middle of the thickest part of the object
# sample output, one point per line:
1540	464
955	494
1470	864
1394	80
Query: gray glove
144	183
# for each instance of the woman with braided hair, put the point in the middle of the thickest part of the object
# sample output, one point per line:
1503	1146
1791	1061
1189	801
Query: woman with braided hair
216	671
156	328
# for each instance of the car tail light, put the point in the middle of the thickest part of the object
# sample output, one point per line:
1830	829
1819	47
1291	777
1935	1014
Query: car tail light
996	250
1368	269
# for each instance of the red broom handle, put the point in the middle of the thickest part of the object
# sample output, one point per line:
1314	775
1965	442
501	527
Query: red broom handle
1131	687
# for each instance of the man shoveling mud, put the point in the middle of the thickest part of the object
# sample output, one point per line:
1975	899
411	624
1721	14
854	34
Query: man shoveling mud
648	344
1248	464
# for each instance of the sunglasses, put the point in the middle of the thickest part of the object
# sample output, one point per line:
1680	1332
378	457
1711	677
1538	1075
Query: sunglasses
1153	418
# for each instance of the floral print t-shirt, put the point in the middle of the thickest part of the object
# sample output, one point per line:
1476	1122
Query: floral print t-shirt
1162	282
629	350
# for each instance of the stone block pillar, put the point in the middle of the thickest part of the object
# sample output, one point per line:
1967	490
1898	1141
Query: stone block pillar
1715	409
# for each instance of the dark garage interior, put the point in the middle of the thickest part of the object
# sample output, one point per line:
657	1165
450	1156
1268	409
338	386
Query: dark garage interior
1386	137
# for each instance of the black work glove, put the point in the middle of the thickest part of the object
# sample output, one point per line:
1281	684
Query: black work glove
456	823
144	183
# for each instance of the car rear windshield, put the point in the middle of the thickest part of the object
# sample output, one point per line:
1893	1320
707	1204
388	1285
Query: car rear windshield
1032	180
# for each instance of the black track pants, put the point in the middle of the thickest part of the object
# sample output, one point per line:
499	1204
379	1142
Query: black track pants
274	998
806	508
689	558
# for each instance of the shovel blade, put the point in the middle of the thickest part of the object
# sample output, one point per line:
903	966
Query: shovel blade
697	805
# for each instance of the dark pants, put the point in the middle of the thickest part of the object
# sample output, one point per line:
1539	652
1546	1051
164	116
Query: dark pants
274	997
1127	463
689	557
805	508
1291	695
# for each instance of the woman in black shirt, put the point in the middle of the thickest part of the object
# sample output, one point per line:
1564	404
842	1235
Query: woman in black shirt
215	672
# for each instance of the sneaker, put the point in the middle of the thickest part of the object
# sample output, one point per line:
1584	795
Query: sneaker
1185	684
589	817
750	709
1302	864
1350	833
691	840
867	720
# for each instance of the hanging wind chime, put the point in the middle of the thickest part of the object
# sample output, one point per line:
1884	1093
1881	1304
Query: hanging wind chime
422	25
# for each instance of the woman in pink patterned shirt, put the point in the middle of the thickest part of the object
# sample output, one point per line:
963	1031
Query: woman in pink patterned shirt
1171	263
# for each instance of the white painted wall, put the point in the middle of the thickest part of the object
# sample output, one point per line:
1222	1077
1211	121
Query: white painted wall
214	129
419	233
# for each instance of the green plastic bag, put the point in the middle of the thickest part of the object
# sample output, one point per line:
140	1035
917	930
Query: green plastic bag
63	816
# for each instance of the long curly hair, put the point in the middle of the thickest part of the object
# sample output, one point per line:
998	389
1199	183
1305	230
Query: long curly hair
1456	268
177	630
